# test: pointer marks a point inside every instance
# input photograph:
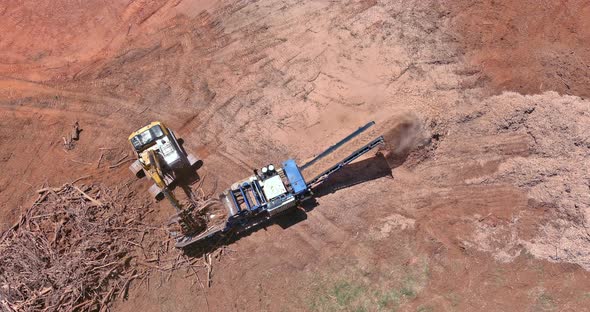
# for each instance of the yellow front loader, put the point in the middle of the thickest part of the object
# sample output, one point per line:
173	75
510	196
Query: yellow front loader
161	157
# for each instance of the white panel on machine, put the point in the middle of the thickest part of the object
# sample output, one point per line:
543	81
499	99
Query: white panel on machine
273	187
170	154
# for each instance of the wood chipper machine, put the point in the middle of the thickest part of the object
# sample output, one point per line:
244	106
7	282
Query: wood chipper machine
274	189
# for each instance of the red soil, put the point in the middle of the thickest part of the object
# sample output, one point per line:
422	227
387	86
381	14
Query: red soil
487	208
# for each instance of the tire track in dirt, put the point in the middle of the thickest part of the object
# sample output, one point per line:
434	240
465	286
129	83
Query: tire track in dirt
524	48
19	89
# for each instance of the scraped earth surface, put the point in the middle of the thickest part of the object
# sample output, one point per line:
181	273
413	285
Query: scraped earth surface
484	109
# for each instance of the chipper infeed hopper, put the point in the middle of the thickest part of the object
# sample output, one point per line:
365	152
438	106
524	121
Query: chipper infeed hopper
272	190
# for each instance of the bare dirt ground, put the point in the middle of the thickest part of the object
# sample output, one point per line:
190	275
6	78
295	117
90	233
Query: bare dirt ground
527	46
488	205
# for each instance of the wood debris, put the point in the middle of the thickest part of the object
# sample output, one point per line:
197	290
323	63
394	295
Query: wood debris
69	252
79	248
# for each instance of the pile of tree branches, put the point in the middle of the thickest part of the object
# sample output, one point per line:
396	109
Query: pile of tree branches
72	250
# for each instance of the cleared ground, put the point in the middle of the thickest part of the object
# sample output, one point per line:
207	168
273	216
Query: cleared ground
487	207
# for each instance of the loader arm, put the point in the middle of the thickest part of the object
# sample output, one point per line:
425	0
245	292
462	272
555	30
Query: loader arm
157	174
155	169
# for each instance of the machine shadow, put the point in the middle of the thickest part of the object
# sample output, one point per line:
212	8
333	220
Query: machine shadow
355	173
187	177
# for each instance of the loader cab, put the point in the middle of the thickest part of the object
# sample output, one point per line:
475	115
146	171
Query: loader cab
147	136
157	137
